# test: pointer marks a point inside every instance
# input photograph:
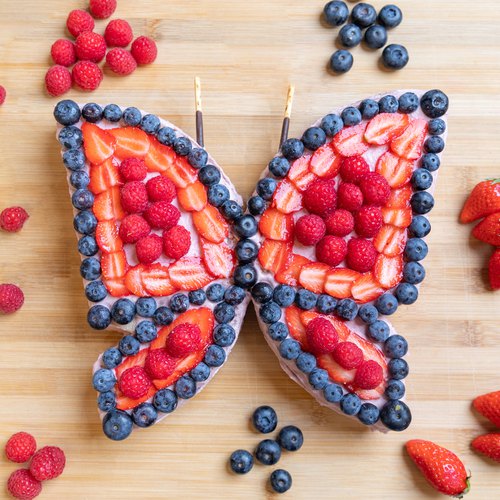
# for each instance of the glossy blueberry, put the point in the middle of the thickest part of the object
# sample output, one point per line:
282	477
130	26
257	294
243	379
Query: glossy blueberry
217	194
67	112
398	368
241	461
363	14
406	293
396	415
103	380
182	146
369	108
111	358
71	137
280	480
422	202
388	104
144	415
413	273
318	378
395	56
434	103
79	179
163	316
390	16
326	304
279	166
215	356
117	425
350	404
200	372
197	297
332	124
290	438
336	13
145	306
209	175
284	295
145	331
82	199
376	36
368	414
264	419
90	269
421	179
106	401
395	346
224	335
123	311
245	276
198	158
74	159
224	312
420	226
215	292
292	149
386	304
92	112
347	309
333	393
437	126
246	251
99	317
289	349
166	136
245	226
416	249
351	116
150	124
270	312
395	389
266	188
431	162
306	362
350	35
408	102
256	205
368	313
129	346
185	387
234	295
305	299
165	400
231	210
95	291
268	452
379	331
85	222
313	138
179	303
112	113
434	144
132	116
278	331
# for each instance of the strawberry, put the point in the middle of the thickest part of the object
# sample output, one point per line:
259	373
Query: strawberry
300	174
114	265
210	224
336	372
289	273
488	230
182	367
98	144
325	162
390	240
156	280
400	198
159	157
399	217
321	336
384	127
287	199
489	445
181	173
130	142
176	242
483	201
125	403
108	205
107	238
312	276
133	281
409	144
184	339
295	326
488	405
321	197
353	169
218	258
309	229
273	254
331	250
366	288
138	359
339	282
494	270
189	274
441	467
397	171
193	197
275	225
116	287
388	271
350	141
104	176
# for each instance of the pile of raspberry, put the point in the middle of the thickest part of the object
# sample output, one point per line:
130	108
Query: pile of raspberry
45	464
90	48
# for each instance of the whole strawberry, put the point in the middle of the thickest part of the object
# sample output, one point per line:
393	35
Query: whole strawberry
23	486
441	467
20	447
483	200
488	230
12	219
11	298
489	445
488	405
494	270
47	463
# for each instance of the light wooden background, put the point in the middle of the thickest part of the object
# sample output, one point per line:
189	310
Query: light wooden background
246	52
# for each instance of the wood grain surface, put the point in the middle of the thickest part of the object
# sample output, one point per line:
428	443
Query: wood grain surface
246	53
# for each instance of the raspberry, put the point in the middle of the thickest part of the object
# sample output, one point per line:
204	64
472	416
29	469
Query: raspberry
339	223
321	336
12	219
309	229
3	95
369	375
160	189
133	228
20	447
48	463
144	50
23	486
149	248
133	169
87	75
353	169
368	221
176	242
350	197
348	355
121	62
11	298
361	255
375	188
118	33
57	80
331	250
102	9
63	52
79	21
134	197
134	382
159	364
320	198
90	46
162	215
183	340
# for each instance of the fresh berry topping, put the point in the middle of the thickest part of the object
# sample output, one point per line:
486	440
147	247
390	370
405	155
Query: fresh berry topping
375	189
348	355
11	298
149	248
63	52
102	9
376	37
118	33
133	169
144	50
369	375
409	144
120	61
87	75
159	364
20	447
361	255
48	463
349	141
350	197
321	336
368	221
339	223
162	215
134	197
79	21
331	250
321	198
385	127
3	94
352	169
183	340
90	46
23	486
12	219
57	80
134	382
176	242
160	189
309	229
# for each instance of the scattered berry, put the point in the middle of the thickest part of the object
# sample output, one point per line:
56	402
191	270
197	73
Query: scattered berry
390	16
87	75
361	254
176	242
320	198
63	52
280	480
268	452
132	228
11	298
339	223
183	340
494	270
350	35
341	61
264	419
369	375
118	33
489	445
321	336
363	14
241	461
134	382
348	355
290	438
488	405
120	61
376	37
20	447
336	13
331	250
58	80
102	9
149	249
79	21
90	46
47	463
144	50
23	486
395	56
12	219
309	229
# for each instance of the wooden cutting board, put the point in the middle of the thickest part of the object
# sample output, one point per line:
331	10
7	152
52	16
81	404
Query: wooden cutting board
246	53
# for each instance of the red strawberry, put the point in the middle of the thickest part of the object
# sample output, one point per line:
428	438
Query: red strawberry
321	197
160	158
313	276
118	33
87	75
385	127
161	214
488	405
184	339
104	176
295	326
400	198
193	197
99	144
321	336
375	189
483	201
20	447
397	171
366	288
134	197
368	221
23	486
160	188
289	273
442	468
361	255
126	403
159	364
399	217
409	144
494	270
339	223
210	224
353	169
90	46
309	229
116	287
114	265
218	258
369	375
348	355
325	162
300	173
349	197
273	254
134	382
350	141
130	142
331	250
176	242
339	282
108	205
149	249
156	280
144	50
189	274
336	372
79	21
390	240
388	271
287	199
488	230
275	225
107	238
181	173
133	228
133	281
489	445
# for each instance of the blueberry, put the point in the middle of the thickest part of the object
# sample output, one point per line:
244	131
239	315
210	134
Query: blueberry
129	346
215	356
326	304
71	137
106	401
268	452
90	269
422	202
117	425
145	331
266	188
132	116
306	362
350	35
368	414
434	103
95	291
420	226
224	313
92	112
231	210
395	346
434	144
395	56
217	195
182	146
200	372
145	306
85	222
305	299
150	124
376	36
241	462
163	316
82	199
390	16
395	389
408	102
246	251
284	295
74	159
332	124
245	226
112	113
198	158
414	273
99	317
386	304
351	116
431	162
292	149
396	415
350	404
270	312
280	480
215	292
144	415
318	378
406	293
209	175
289	349
290	438
264	419
421	179
165	400
166	136
379	331
279	166
234	295
398	368
79	179
103	380
333	393
416	249
179	303
363	14
245	276
437	127
368	313
256	205
123	311
197	297
369	108
67	112
388	104
336	13
347	309
313	138
278	331
111	358
185	387
224	335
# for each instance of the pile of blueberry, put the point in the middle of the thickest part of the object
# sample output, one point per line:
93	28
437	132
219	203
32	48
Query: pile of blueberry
268	451
364	16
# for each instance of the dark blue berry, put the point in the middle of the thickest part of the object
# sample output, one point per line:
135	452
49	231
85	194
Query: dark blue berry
318	378
245	276
90	269
431	162
241	462
332	124
395	346
145	331
145	306
388	104
224	312
71	137
245	226
292	149
200	372
166	136
414	273
369	108
376	36
363	14
129	346
279	166
336	13
95	291
333	393
92	112
290	438
347	309
368	414
165	400
280	480
313	138
408	102
185	387
422	202
350	35
74	159
246	251
123	311
103	380
112	113
117	425
350	404
421	179
437	126
150	124
284	295
306	362
256	205
215	292
231	210
215	356
395	389
305	299
434	103
420	226
268	452
198	158
106	401
390	16
132	116
182	146
379	331
351	116
163	316
67	112
179	303
326	304
434	144
386	304
79	179
85	222
99	317
217	195
406	293
396	415
395	56
234	295
82	199
144	415
278	331
197	297
289	349
270	312
398	368
416	249
264	419
266	188
111	358
224	335
368	313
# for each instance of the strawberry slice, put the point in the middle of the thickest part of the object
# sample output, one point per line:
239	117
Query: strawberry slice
156	280
366	288
274	254
400	198
397	171
124	403
325	162
275	225
300	173
409	144
104	176
290	272
338	374
114	265
287	199
210	224
184	366
399	217
108	205
181	173
313	276
116	287
193	197
350	141
133	281
390	240
295	326
131	142
388	271
339	282
189	274
159	157
218	258
98	144
341	328
107	238
385	127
